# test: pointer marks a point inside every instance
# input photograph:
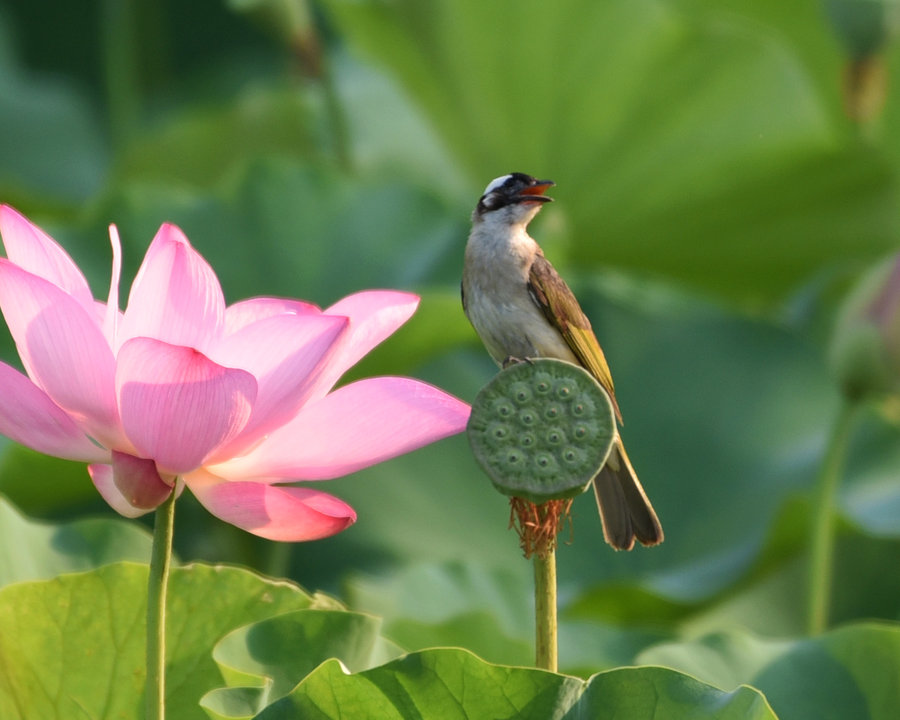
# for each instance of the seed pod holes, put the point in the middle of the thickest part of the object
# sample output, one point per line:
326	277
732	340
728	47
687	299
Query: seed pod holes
542	429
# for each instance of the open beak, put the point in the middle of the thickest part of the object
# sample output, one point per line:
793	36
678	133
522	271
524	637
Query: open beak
535	193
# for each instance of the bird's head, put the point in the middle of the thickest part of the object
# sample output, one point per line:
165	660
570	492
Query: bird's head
512	199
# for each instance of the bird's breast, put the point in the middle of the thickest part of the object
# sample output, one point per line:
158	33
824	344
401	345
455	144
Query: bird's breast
508	321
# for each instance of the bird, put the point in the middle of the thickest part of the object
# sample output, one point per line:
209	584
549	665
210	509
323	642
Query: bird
522	309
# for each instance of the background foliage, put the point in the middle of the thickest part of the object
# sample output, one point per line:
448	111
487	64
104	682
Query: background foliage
720	183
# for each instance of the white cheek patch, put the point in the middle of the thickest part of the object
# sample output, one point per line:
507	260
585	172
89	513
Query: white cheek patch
496	183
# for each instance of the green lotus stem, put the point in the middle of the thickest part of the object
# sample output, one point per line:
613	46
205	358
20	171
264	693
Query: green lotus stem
157	584
821	561
546	644
278	559
310	51
120	59
337	118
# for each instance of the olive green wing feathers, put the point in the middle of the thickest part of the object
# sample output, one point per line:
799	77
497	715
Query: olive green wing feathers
559	305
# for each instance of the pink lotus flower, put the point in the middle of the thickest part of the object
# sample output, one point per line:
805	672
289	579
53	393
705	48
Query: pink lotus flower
180	390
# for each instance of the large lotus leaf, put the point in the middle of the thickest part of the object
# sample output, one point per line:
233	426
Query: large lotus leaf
687	143
274	654
37	551
450	684
74	646
850	672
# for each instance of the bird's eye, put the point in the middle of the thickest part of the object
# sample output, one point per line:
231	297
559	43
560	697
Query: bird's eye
492	200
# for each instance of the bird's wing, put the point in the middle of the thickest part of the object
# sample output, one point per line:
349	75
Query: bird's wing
559	305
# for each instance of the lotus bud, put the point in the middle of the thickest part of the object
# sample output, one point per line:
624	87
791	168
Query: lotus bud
864	28
865	348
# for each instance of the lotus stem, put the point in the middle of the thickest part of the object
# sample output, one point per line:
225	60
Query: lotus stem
821	562
546	643
120	60
157	585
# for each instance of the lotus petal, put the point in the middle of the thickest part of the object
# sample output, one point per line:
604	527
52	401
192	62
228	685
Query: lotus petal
353	427
177	405
285	513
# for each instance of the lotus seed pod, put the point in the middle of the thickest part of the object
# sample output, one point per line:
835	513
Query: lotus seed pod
542	429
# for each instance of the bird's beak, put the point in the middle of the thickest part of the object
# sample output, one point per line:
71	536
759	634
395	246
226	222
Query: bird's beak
535	193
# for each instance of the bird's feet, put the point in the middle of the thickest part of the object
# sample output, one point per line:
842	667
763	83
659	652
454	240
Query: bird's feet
510	360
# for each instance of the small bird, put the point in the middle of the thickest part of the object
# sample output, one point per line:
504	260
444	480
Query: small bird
522	309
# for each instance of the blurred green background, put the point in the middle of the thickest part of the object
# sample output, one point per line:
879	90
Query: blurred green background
724	170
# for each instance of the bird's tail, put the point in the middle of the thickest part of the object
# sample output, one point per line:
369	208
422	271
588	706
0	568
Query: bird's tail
624	508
